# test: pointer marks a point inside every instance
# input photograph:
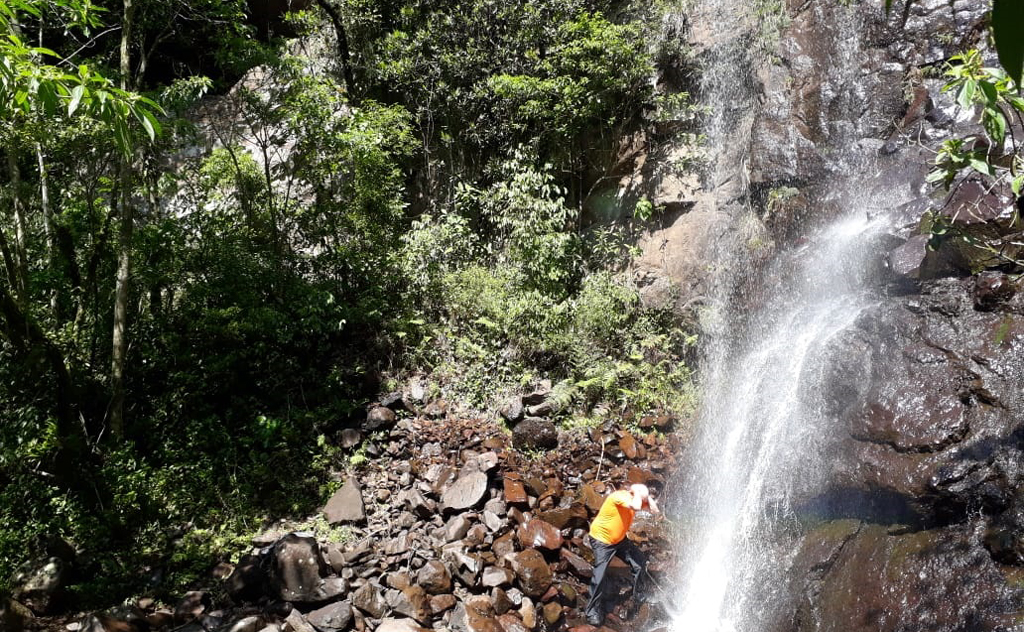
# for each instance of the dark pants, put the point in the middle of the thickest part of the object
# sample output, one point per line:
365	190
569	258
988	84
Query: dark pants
627	551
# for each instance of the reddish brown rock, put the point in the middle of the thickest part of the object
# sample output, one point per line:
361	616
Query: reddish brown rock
576	564
379	417
504	545
574	516
511	623
592	499
540	534
514	491
434	578
501	601
533	572
629	446
442	603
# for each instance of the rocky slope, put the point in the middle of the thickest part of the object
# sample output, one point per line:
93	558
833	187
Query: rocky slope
451	524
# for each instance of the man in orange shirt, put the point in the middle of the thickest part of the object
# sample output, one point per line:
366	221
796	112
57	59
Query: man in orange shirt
608	539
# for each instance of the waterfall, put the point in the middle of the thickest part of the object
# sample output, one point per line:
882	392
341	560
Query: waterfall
762	432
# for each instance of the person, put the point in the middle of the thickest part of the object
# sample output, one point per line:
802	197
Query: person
608	539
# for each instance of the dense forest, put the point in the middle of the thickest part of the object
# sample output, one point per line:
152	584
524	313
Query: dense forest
223	235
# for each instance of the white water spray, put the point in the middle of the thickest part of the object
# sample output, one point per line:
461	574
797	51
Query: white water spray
762	431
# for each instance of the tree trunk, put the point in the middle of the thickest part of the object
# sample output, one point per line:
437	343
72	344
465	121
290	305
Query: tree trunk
124	246
48	225
20	231
343	50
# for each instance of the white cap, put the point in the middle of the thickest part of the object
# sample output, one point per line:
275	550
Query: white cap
640	494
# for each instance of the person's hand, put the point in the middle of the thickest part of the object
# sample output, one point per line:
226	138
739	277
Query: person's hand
653	507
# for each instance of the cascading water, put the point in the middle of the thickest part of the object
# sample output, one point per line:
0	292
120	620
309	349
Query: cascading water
762	432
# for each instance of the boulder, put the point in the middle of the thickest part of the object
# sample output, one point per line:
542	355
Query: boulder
295	622
512	410
534	433
434	578
40	585
346	505
467	618
379	418
251	623
442	603
539	534
457	527
247	581
514	491
533	572
331	618
412	602
576	564
874	580
369	599
572	517
350	438
297	569
466	492
14	617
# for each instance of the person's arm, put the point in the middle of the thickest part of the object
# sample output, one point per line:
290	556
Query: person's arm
653	506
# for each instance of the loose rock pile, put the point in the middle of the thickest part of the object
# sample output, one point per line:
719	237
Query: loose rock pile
451	528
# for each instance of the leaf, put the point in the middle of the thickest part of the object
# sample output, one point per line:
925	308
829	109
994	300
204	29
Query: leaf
1017	184
149	122
981	166
995	124
1007	26
76	97
966	96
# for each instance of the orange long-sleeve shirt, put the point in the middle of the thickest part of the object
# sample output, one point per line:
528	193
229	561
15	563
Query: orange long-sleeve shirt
614	519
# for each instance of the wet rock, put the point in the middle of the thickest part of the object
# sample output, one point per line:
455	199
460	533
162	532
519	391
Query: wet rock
514	491
466	492
591	498
331	618
533	572
434	578
247	581
346	505
369	599
576	564
991	289
379	418
534	433
629	446
877	581
572	517
539	534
